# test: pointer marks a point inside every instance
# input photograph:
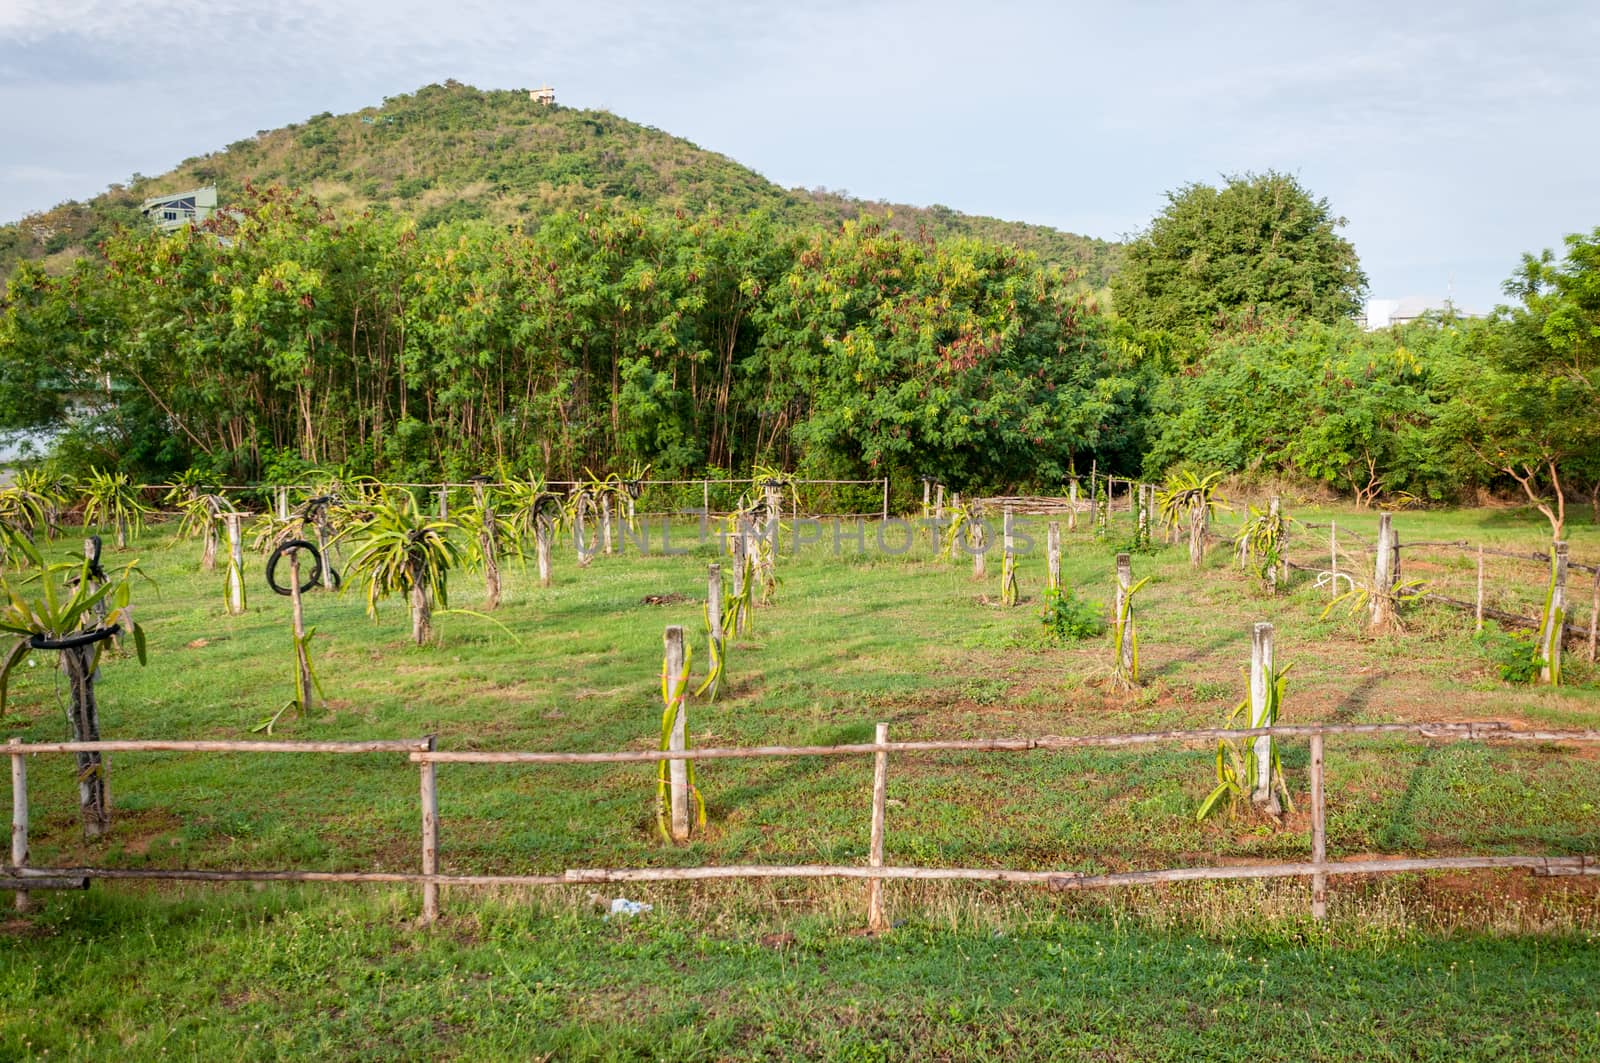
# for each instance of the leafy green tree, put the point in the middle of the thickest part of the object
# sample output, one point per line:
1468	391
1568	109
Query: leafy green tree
1260	246
1526	398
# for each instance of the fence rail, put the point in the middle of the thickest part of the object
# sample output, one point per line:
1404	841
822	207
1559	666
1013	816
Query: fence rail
22	877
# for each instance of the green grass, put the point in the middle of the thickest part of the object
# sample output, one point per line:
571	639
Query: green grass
972	972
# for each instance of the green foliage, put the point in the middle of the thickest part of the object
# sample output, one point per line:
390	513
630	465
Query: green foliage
1260	247
399	549
1236	762
110	498
1515	655
1069	618
69	601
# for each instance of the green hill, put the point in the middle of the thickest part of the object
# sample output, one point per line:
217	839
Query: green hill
451	152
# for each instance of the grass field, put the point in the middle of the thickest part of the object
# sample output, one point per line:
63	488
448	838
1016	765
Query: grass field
1486	965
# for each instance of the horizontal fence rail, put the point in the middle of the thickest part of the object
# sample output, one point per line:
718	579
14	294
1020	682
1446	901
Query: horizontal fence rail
22	877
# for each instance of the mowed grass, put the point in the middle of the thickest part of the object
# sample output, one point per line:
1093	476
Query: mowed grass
854	637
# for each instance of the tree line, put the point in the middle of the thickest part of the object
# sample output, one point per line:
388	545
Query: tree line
279	337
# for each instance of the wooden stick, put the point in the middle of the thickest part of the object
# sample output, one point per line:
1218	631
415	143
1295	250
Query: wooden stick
1072	512
19	816
1594	616
678	739
880	798
1478	609
605	523
1319	832
489	547
978	543
1061	879
430	838
444	502
885	516
283	503
162	745
1463	731
1333	558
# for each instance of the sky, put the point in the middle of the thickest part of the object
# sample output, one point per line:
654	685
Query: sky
1453	137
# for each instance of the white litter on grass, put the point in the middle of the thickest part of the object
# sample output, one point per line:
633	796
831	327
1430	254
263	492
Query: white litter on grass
623	906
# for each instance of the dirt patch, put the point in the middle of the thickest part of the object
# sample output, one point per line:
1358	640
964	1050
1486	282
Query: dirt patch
663	599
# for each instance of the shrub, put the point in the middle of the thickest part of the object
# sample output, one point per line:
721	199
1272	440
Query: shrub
1069	618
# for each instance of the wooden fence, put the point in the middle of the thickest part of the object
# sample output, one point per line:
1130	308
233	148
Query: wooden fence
22	876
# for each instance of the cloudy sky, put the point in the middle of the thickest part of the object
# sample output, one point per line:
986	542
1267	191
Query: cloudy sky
1453	137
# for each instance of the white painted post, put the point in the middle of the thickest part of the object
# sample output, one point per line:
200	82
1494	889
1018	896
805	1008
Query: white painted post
886	499
444	501
1261	677
678	740
1053	557
1008	561
714	600
236	597
1383	577
880	800
1333	559
283	503
1555	619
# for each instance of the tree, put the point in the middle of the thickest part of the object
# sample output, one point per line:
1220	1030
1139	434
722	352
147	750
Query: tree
1526	400
1259	246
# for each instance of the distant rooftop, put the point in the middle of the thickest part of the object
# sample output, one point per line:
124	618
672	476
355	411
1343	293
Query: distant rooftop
1383	313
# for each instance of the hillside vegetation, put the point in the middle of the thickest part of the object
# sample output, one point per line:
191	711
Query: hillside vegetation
452	152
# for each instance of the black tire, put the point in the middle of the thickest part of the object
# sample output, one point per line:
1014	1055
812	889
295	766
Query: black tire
311	580
72	642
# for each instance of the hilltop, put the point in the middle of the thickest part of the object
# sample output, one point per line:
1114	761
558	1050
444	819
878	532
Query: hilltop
451	152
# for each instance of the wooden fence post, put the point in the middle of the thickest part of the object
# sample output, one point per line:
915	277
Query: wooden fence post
444	501
1594	615
302	663
880	800
605	523
1555	618
430	835
1383	576
283	503
938	504
580	511
1272	568
705	497
678	738
1333	559
1072	506
978	543
1478	611
1262	675
886	499
1052	578
236	566
19	818
1319	832
741	570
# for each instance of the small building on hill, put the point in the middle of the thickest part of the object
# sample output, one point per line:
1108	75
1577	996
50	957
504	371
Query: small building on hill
178	209
545	95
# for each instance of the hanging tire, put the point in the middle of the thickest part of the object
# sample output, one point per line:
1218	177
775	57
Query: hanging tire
311	580
72	642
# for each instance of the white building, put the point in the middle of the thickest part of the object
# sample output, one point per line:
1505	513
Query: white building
180	208
1384	313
